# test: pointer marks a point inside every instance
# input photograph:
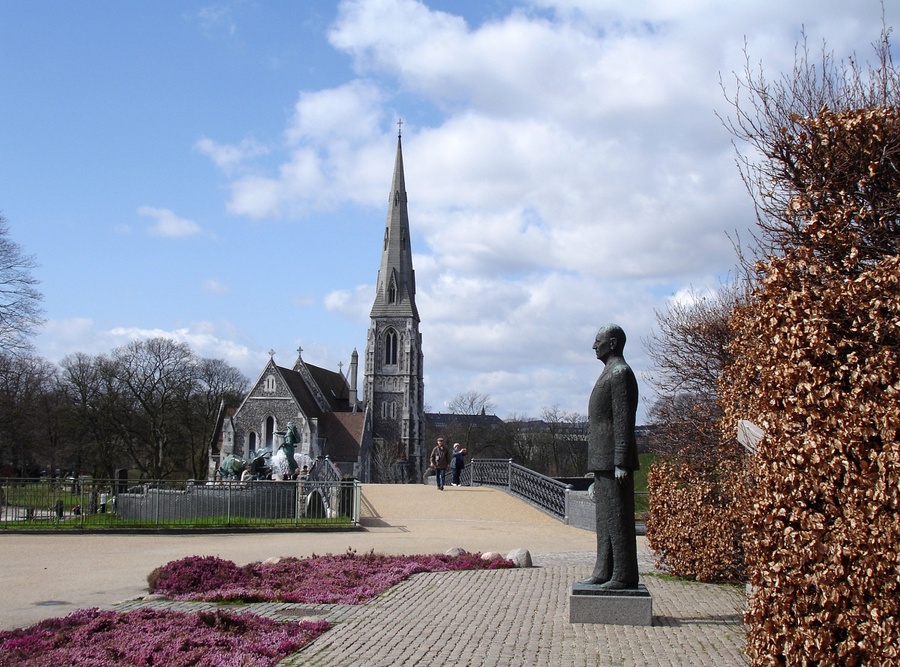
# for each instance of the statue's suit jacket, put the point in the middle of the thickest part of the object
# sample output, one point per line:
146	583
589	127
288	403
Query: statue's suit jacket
611	415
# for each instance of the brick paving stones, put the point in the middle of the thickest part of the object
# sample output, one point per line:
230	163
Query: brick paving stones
515	618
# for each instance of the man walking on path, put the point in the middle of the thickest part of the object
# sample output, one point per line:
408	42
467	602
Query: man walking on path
440	459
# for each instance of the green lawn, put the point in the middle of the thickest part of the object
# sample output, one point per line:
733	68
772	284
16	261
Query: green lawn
48	521
641	499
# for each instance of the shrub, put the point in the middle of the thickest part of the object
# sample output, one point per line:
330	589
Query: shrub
197	573
94	638
818	368
695	526
347	578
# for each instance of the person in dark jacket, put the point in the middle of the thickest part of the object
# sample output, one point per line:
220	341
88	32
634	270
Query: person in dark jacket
459	462
439	460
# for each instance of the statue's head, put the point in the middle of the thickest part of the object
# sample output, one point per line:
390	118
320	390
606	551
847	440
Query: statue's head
610	340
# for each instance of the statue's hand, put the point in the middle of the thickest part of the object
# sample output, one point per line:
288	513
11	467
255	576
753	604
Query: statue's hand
621	474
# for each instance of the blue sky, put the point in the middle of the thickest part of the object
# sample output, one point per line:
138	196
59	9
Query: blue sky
219	172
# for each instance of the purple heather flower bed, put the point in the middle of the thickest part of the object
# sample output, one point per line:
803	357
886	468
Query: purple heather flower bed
343	579
94	638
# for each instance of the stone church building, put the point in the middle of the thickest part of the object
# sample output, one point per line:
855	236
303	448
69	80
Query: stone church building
388	422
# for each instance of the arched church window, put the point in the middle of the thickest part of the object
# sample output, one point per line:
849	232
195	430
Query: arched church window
270	432
269	386
251	442
390	348
392	293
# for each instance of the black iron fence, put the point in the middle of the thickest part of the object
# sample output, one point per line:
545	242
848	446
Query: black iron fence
109	504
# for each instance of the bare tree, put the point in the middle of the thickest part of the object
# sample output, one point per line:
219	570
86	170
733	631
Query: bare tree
796	180
152	379
471	403
387	455
689	350
92	433
25	380
215	381
20	301
468	432
517	442
564	442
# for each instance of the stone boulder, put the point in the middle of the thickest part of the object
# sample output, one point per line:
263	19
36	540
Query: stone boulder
521	557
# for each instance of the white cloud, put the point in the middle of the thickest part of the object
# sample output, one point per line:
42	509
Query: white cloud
353	304
345	114
215	19
564	163
228	157
213	286
168	224
333	153
213	340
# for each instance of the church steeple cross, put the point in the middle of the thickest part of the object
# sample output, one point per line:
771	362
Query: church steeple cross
399	127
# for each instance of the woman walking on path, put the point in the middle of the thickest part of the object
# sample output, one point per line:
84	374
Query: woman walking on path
459	463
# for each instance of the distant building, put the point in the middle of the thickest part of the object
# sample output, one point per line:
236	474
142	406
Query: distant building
479	434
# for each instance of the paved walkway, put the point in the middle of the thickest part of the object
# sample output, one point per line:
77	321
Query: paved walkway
505	617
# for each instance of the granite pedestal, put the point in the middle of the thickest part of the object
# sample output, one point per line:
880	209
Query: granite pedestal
589	603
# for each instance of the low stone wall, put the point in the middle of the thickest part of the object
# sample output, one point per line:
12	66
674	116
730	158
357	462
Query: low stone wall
581	511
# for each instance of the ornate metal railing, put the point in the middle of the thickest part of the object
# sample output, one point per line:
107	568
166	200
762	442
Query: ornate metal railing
494	472
545	492
35	504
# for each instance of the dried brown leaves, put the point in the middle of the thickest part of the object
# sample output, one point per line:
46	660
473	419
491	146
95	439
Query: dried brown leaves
694	528
816	363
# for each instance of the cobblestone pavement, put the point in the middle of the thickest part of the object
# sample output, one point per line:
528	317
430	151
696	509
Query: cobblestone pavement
487	618
514	618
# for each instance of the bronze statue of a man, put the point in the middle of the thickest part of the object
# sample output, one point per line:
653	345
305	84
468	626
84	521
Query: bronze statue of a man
613	458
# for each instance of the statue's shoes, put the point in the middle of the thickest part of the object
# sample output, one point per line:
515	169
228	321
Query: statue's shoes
614	585
593	581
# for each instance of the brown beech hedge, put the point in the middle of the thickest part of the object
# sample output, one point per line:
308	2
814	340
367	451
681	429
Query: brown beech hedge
695	525
816	364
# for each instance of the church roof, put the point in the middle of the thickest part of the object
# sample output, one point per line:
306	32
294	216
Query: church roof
333	386
345	432
442	420
300	391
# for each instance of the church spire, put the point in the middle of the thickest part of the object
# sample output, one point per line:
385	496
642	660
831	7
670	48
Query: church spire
393	385
395	292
